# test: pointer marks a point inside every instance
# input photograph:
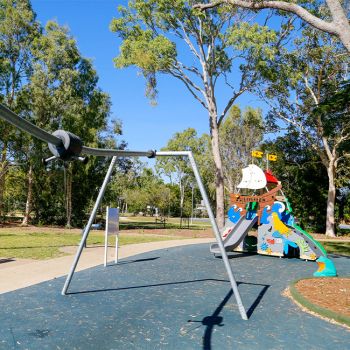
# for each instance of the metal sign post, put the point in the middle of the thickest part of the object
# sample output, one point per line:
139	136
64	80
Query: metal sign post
112	228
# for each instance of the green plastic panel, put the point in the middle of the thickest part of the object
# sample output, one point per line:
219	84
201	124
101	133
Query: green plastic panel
318	244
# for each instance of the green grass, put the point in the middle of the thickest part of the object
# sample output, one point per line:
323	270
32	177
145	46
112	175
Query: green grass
147	222
342	248
46	245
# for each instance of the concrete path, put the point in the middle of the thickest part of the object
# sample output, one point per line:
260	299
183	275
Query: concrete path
23	273
176	298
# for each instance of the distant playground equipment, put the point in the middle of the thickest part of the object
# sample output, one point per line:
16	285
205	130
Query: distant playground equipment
265	206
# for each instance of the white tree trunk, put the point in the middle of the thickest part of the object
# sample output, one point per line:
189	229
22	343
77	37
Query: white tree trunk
182	198
341	22
219	174
28	208
330	220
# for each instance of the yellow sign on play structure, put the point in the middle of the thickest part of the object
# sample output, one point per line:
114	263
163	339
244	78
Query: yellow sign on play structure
257	154
272	157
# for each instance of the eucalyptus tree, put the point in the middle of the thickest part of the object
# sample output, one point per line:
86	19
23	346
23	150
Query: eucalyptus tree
18	29
337	25
310	92
202	50
241	132
62	93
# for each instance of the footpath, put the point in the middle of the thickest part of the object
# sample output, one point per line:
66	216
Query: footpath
21	273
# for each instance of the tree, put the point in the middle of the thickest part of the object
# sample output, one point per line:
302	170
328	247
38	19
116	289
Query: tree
177	169
62	93
313	98
144	191
18	29
338	26
151	32
299	168
240	133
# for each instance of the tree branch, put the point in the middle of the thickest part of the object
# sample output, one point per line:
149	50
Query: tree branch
316	22
179	74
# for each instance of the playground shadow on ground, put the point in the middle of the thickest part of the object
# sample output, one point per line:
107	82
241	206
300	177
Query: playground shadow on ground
124	262
215	320
209	322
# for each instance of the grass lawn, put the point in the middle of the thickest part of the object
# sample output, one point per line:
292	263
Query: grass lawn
341	248
19	243
148	222
45	243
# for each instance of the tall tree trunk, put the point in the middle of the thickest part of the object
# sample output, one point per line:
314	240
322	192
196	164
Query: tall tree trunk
2	179
330	220
219	173
29	197
68	173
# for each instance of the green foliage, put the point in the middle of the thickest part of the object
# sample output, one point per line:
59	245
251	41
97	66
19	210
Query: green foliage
178	170
44	78
152	32
241	132
309	95
303	178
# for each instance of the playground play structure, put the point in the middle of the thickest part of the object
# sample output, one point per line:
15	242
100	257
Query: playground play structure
261	203
68	147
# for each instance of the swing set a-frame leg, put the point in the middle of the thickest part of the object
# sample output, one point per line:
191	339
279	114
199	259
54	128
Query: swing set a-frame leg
88	226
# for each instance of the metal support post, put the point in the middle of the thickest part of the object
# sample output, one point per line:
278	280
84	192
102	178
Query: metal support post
215	227
88	226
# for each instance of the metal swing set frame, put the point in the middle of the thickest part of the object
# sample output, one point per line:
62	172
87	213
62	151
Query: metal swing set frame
67	146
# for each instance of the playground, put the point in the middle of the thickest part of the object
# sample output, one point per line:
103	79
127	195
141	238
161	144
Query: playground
124	222
176	297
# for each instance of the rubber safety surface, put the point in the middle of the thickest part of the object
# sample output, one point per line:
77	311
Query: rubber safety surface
177	298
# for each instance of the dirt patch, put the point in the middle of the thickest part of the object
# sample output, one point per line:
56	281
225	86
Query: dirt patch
330	293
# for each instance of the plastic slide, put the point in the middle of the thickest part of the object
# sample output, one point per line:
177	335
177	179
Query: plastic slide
315	245
237	234
326	266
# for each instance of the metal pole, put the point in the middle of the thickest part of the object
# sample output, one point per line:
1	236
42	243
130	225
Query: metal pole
267	161
88	226
215	227
192	205
106	238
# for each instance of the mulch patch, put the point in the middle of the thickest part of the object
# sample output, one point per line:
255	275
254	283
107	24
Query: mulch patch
332	293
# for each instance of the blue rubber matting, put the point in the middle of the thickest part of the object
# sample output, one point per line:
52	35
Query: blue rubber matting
176	298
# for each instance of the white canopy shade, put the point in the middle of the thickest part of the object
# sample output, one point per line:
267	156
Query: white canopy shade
253	178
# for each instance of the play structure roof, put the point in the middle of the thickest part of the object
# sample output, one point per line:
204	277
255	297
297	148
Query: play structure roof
252	178
269	177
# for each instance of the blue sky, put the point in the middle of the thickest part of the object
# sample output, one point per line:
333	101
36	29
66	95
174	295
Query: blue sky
144	126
